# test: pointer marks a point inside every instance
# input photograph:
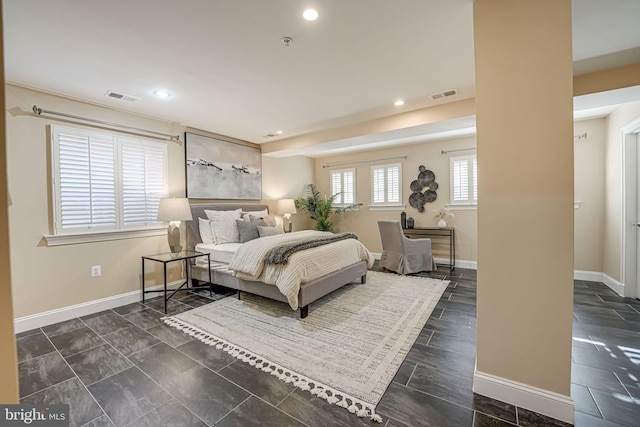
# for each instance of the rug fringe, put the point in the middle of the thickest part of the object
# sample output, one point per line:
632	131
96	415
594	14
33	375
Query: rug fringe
332	396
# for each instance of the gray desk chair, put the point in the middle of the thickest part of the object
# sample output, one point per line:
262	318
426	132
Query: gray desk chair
401	254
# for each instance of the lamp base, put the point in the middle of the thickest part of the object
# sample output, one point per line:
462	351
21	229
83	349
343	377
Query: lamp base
174	238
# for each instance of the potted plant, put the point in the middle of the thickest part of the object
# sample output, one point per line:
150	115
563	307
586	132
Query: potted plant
320	208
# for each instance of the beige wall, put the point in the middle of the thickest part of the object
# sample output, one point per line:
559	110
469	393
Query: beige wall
8	359
364	222
589	190
525	211
47	278
612	263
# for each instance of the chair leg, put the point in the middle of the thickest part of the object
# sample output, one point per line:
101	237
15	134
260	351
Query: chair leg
239	295
363	279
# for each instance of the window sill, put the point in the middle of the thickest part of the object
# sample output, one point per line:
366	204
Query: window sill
72	239
387	207
462	207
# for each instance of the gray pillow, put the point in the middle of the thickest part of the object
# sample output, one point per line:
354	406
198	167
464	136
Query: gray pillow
248	230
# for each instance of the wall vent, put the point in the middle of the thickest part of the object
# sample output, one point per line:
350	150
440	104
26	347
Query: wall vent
121	96
269	135
444	94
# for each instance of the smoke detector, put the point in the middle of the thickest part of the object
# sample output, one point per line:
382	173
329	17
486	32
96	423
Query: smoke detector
287	41
444	94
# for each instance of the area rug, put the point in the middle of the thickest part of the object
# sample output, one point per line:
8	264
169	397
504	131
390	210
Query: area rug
346	351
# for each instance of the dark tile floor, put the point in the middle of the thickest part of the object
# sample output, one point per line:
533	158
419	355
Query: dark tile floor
125	367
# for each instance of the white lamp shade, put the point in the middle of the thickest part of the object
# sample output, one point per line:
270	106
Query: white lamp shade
286	206
174	209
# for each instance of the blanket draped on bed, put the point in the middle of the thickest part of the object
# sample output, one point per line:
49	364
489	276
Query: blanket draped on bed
248	262
280	254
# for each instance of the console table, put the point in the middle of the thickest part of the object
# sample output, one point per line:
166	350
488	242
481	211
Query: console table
436	232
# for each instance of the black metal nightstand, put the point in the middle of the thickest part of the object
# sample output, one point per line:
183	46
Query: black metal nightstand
165	259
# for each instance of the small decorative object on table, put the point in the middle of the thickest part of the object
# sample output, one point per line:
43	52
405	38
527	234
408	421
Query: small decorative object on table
403	219
442	214
410	223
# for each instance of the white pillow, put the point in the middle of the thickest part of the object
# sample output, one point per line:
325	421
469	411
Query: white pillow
223	214
205	231
225	230
259	214
269	231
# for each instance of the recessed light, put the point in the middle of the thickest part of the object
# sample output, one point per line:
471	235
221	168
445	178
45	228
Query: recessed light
161	93
398	103
310	14
279	132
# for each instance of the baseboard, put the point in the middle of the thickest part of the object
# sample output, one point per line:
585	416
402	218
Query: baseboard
597	276
472	265
544	402
38	320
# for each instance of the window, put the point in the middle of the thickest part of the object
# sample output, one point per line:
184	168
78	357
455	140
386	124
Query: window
464	180
343	183
386	182
103	182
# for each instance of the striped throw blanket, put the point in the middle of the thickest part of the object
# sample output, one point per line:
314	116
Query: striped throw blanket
280	254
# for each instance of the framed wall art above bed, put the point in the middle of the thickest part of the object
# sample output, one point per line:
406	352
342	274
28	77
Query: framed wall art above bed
218	169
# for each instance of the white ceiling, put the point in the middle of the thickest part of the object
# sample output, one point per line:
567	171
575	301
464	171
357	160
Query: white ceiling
229	72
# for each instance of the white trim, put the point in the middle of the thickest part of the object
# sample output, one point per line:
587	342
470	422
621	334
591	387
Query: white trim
38	320
628	231
544	402
462	206
597	276
71	239
387	207
472	265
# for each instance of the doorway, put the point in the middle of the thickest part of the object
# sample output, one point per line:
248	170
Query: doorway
631	209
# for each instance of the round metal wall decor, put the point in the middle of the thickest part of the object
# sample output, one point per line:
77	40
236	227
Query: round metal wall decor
423	189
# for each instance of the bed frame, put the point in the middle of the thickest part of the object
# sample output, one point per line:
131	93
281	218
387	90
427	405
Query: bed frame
309	292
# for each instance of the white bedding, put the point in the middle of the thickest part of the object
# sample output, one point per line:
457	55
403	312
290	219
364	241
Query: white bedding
304	266
218	253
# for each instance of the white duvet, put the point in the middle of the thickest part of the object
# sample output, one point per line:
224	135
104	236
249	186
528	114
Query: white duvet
303	266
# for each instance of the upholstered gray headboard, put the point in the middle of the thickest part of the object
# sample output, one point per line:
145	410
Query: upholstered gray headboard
197	211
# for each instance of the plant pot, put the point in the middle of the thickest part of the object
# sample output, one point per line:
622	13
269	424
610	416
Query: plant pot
442	223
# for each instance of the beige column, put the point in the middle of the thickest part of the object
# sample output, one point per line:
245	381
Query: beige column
8	359
523	61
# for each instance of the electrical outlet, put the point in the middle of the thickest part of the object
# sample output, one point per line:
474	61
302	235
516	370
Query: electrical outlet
96	271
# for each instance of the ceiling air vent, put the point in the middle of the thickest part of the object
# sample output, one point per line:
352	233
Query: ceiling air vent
444	94
123	97
269	135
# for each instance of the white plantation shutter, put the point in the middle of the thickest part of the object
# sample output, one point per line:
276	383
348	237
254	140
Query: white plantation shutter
84	178
105	183
344	182
464	180
393	184
143	181
336	185
386	184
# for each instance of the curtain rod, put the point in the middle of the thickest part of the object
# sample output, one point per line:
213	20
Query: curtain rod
39	111
330	165
458	149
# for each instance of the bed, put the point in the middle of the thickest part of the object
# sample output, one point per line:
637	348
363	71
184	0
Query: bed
336	272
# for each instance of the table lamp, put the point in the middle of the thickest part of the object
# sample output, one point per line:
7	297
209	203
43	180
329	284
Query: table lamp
286	207
174	210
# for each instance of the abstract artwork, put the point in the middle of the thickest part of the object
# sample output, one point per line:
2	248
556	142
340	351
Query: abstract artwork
426	180
218	169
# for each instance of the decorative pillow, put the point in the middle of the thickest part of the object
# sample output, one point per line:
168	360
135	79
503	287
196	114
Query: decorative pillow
205	231
269	231
224	230
223	214
259	214
269	220
248	230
